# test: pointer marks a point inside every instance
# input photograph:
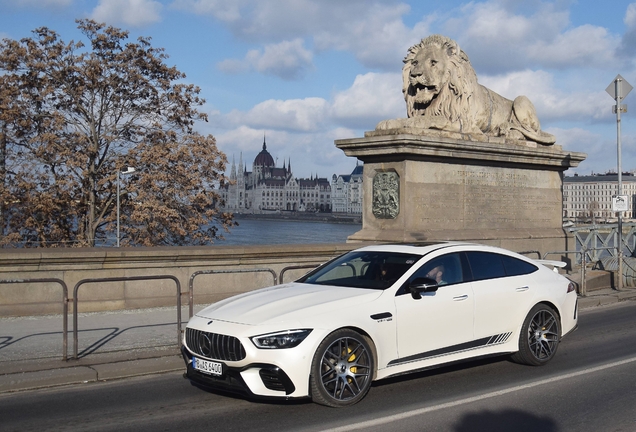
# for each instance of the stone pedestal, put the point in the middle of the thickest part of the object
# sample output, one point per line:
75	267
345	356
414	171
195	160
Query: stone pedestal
439	186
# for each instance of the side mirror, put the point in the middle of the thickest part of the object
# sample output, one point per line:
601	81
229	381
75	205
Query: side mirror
420	285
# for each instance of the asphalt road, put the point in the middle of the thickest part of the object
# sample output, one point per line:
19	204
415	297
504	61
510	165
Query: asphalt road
589	386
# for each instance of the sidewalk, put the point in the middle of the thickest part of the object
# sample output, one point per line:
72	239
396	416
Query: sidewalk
120	344
111	345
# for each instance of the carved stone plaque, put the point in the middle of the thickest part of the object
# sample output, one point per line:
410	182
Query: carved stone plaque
386	195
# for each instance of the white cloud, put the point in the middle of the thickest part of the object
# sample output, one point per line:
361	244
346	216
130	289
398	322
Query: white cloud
372	30
630	16
134	13
372	97
223	10
288	60
498	39
600	150
552	104
628	44
377	35
587	45
302	115
232	66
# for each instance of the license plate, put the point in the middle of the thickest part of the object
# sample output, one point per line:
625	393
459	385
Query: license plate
207	367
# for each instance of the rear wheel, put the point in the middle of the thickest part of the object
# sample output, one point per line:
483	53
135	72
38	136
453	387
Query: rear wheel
342	369
539	338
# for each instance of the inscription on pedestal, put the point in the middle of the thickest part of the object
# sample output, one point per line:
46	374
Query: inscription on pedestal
479	198
386	195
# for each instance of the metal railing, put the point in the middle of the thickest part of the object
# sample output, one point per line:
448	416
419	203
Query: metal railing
64	306
603	238
295	267
202	272
122	279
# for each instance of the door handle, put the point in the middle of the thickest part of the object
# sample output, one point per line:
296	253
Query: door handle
460	298
523	288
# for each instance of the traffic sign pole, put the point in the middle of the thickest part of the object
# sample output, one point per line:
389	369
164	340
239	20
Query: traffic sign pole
618	90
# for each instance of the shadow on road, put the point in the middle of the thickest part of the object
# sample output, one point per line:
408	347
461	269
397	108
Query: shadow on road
505	421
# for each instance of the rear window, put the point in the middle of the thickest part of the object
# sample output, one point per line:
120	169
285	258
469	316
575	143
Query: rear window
517	267
489	265
486	265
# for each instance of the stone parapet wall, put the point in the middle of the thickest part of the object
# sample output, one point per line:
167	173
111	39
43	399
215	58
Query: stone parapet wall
75	265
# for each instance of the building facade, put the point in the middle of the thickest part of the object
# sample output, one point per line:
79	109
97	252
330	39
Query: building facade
271	189
346	192
588	199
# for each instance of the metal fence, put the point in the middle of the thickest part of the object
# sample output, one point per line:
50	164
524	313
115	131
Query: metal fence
75	298
599	241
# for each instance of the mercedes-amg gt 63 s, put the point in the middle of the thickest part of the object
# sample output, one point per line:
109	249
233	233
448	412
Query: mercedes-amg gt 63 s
376	312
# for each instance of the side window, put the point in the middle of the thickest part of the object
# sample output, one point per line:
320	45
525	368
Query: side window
486	265
445	269
517	267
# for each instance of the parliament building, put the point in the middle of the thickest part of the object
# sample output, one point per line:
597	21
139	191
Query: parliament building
271	189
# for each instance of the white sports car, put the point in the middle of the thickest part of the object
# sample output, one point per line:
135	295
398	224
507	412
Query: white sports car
377	312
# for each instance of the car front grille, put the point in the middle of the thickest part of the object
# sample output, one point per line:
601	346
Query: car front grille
214	346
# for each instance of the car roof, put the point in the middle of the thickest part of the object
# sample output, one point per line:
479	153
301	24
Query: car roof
427	247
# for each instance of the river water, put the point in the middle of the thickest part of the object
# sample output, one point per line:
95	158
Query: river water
284	231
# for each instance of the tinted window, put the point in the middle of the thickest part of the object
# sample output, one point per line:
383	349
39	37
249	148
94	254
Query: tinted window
486	265
363	269
445	269
517	267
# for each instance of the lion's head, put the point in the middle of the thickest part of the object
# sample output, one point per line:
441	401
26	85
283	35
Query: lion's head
437	79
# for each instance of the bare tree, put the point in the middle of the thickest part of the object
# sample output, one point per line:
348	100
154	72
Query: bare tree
72	115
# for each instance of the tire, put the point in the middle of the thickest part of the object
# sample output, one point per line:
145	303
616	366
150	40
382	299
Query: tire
342	369
539	337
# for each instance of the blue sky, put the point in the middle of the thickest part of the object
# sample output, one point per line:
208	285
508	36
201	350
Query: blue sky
306	72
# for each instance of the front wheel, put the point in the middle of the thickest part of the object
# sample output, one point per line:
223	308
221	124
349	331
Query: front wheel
539	338
342	369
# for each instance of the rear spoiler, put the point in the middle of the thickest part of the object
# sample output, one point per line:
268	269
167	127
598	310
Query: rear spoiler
554	264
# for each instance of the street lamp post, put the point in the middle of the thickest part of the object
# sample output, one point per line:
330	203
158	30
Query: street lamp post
129	170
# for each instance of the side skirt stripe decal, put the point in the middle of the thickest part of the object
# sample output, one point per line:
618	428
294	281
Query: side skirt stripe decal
467	346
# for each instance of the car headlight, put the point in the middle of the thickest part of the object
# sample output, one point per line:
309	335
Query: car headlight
280	340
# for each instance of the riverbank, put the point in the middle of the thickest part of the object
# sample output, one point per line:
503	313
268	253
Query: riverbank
303	216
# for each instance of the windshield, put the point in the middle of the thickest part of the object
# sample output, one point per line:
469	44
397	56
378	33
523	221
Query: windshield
363	269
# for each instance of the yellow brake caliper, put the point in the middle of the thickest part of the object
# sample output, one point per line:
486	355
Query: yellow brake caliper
353	369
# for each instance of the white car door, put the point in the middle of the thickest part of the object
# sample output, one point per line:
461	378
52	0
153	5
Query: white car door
439	322
502	293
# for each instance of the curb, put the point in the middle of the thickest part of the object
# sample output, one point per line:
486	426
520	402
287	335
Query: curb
83	374
606	297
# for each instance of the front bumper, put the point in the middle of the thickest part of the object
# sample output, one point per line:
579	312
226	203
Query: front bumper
239	380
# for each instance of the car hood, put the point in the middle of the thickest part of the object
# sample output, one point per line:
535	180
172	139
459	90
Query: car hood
288	302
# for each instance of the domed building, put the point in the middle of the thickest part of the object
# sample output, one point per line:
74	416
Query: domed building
270	189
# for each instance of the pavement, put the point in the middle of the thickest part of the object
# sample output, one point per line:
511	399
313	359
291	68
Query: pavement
121	344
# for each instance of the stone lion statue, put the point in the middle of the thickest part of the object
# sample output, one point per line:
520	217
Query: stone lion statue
441	92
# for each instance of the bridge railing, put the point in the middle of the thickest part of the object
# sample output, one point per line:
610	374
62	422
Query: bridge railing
599	241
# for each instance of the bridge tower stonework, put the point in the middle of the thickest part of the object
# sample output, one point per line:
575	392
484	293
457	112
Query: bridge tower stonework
430	187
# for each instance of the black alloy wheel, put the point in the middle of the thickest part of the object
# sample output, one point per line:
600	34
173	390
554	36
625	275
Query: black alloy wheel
342	369
540	336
